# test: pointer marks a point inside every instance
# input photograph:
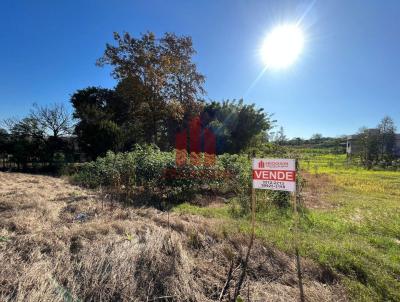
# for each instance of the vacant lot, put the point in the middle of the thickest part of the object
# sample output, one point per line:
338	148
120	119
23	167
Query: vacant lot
62	243
351	225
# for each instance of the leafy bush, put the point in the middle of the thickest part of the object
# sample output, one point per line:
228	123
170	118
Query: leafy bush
152	169
161	179
109	171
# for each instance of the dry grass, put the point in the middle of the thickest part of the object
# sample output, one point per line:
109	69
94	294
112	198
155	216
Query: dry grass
317	190
117	253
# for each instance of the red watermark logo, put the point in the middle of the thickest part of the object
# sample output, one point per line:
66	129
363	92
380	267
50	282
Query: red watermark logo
201	141
195	149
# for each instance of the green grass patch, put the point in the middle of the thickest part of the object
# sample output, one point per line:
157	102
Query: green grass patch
359	238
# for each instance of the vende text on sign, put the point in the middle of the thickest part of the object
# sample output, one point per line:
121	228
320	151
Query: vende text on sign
274	174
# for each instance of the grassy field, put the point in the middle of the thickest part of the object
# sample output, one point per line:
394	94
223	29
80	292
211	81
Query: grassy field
350	224
60	242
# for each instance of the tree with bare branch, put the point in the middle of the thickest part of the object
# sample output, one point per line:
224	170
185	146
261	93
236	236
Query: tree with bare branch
55	119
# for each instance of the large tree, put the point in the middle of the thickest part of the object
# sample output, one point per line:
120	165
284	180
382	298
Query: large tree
165	75
98	113
54	119
158	92
235	124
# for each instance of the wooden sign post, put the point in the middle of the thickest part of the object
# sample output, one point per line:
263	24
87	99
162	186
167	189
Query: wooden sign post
279	175
296	246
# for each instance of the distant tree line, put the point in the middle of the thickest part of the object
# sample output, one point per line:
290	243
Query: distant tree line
316	141
158	91
377	146
38	141
371	146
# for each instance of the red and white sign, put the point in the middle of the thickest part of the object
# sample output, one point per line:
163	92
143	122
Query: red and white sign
274	174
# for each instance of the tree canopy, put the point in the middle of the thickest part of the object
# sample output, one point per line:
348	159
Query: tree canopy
158	92
235	124
158	77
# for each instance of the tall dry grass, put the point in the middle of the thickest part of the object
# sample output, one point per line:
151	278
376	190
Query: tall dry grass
117	253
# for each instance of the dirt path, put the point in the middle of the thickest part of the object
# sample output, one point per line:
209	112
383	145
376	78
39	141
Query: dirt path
63	243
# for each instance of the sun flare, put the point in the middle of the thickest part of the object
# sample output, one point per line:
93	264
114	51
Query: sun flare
282	46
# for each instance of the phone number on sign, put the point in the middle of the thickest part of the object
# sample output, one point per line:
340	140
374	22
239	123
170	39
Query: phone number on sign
273	184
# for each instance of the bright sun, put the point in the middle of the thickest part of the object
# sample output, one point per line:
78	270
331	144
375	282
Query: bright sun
282	46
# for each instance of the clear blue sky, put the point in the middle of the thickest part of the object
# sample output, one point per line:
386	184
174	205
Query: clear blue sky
348	75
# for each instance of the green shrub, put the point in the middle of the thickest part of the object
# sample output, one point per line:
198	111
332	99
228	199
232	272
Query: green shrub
113	170
156	172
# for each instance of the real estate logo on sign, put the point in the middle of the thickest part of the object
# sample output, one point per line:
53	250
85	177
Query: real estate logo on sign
274	174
